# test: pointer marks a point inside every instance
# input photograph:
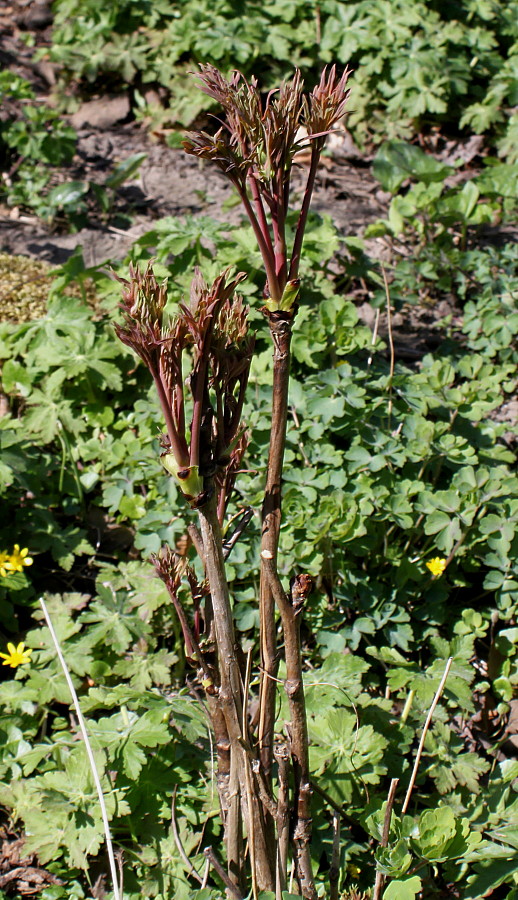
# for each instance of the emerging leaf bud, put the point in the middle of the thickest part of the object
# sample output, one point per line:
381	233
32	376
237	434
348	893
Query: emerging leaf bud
289	297
188	477
301	587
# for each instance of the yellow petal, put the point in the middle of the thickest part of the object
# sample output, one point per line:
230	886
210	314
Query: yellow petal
12	649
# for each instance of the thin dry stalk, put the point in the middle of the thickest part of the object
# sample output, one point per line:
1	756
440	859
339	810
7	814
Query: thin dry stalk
391	340
206	874
120	863
190	868
374	335
423	735
216	865
334	870
82	725
380	878
283	819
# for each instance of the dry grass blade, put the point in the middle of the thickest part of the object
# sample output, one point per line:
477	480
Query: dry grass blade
82	725
423	736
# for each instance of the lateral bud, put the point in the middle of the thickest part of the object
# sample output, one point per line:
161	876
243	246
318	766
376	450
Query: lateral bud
290	295
188	477
300	589
288	301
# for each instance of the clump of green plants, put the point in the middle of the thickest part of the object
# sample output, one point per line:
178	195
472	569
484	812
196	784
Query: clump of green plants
396	498
33	140
442	224
439	216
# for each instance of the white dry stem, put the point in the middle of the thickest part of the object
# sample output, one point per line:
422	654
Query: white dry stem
113	868
423	736
374	335
190	868
391	340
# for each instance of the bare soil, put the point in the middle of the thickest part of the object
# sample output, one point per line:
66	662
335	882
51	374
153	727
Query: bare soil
169	183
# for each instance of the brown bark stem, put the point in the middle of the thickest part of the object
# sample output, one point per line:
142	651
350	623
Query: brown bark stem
230	676
299	742
271	522
222	744
230	693
230	699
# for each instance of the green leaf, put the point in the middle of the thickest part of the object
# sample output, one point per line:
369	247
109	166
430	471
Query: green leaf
506	834
403	889
488	875
16	378
132	507
89	479
460	206
394	860
437	827
67	196
396	161
125	170
133	758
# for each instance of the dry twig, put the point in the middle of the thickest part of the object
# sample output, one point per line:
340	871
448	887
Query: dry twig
423	736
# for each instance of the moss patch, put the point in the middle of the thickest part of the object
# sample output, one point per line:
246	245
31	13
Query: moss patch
24	287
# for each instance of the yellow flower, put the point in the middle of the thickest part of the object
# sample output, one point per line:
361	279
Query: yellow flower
17	656
18	559
436	566
4	563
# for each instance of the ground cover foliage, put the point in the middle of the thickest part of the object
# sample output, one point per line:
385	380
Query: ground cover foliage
419	61
389	466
